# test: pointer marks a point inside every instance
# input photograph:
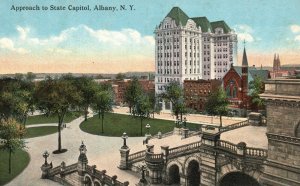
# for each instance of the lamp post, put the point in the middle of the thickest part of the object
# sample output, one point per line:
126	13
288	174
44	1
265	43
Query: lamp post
148	128
124	137
46	155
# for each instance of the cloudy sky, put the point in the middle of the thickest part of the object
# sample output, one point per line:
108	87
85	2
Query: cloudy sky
99	42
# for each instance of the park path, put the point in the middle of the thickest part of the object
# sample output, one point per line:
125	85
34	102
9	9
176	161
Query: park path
99	149
193	118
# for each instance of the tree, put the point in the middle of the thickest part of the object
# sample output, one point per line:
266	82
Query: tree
30	76
11	132
256	87
57	96
154	103
102	103
16	99
174	94
88	88
217	104
120	76
132	94
142	109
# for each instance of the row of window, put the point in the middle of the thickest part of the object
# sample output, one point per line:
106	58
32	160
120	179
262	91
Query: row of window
219	63
167	47
166	80
192	71
167	63
160	55
167	71
198	62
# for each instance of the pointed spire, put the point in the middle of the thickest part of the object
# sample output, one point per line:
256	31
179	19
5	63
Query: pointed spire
245	60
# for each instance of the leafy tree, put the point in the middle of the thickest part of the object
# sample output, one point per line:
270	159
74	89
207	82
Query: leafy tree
132	94
120	76
256	87
16	99
142	109
217	104
154	103
57	96
174	94
88	88
102	103
11	132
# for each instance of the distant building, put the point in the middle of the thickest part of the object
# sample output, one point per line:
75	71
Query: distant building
196	92
191	49
236	85
278	71
120	87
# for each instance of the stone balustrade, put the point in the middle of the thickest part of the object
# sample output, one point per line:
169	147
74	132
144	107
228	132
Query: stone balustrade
135	157
151	157
247	151
234	126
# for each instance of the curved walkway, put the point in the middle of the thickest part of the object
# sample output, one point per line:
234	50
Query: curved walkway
99	150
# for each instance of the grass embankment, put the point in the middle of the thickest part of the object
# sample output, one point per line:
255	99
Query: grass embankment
40	131
43	119
19	162
116	124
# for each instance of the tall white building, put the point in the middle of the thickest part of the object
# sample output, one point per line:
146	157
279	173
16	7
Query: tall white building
192	48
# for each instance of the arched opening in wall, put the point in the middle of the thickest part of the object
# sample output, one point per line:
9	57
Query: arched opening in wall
87	181
238	179
174	177
193	173
97	184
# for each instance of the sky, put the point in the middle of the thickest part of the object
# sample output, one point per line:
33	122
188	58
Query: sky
110	42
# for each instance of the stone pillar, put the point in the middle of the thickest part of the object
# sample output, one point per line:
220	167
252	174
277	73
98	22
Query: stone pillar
124	158
165	152
241	148
150	148
185	133
45	170
82	163
210	137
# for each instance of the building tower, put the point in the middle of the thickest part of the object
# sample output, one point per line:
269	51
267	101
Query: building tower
191	49
276	63
244	84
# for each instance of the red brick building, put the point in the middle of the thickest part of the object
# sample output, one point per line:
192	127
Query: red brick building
120	87
197	91
236	85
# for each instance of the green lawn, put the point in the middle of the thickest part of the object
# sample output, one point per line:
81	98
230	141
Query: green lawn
40	131
42	119
116	124
19	160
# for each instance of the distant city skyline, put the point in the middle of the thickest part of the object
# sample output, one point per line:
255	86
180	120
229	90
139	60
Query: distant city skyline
112	42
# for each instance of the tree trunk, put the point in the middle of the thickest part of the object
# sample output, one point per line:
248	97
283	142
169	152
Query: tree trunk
59	136
181	116
220	120
130	109
24	120
99	114
85	113
102	122
9	162
141	126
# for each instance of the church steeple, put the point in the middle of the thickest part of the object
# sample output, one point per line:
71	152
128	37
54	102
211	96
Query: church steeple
245	60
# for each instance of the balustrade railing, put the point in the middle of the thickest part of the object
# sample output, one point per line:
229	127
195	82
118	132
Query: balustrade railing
249	151
103	178
136	156
150	157
256	152
184	149
227	146
234	126
162	135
